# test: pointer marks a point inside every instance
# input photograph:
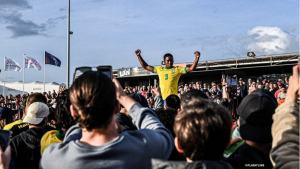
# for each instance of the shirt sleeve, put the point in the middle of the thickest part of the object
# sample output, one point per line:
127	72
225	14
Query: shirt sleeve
154	69
182	70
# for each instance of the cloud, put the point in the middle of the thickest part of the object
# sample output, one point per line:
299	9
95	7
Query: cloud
15	3
63	9
12	18
20	27
269	40
53	21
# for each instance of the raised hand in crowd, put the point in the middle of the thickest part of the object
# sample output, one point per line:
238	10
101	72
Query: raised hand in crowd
5	158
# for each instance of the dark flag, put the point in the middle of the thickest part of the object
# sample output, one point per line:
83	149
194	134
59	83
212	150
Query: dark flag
52	60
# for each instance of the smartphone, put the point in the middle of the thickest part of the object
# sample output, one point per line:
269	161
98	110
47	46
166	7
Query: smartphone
107	70
4	139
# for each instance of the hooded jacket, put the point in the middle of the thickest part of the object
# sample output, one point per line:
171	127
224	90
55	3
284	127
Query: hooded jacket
26	147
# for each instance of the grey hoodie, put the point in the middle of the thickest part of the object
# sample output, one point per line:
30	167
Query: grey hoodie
131	149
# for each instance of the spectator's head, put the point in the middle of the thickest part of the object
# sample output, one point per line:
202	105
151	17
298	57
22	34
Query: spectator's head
62	110
179	95
189	95
249	80
139	98
202	130
280	85
286	79
34	97
260	85
275	85
169	60
256	111
218	99
241	80
172	101
213	95
93	98
283	89
37	114
214	87
166	117
7	116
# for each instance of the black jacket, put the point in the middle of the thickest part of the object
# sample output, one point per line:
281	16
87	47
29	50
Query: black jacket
26	148
246	157
161	164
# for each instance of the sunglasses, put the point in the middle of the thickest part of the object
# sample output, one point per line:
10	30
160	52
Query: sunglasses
107	70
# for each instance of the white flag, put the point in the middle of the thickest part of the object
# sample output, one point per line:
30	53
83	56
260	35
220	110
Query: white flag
32	63
11	65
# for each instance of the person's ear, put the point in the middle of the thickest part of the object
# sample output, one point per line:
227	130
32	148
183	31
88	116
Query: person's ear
178	110
73	113
117	107
177	145
53	121
165	107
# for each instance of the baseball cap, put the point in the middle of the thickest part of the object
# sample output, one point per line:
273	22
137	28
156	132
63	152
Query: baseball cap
240	79
256	111
5	111
36	112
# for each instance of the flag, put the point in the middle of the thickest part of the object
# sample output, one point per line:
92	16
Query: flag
32	63
52	60
11	65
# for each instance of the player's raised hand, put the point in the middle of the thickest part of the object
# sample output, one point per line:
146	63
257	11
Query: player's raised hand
138	52
197	54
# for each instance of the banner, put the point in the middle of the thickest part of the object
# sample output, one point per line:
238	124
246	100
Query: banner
137	71
11	65
32	63
52	60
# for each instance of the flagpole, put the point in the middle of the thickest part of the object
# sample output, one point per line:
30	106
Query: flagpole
4	76
44	70
23	71
68	47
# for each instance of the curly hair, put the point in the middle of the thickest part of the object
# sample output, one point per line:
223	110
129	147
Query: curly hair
93	96
62	110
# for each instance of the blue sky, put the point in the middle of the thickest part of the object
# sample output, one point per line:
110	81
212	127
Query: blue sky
107	32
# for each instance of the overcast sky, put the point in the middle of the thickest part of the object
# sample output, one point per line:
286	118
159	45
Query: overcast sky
107	32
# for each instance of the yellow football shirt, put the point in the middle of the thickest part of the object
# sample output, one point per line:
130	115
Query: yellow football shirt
10	125
168	79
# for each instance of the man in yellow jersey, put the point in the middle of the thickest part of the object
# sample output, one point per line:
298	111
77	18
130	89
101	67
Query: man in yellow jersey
169	75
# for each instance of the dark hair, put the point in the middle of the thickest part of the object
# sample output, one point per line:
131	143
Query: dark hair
173	101
193	93
93	96
7	120
34	97
203	130
62	110
168	55
167	118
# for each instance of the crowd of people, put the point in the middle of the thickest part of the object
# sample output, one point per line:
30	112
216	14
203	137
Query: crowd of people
98	124
214	91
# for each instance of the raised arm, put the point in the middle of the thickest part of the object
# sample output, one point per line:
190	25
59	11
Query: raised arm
142	62
197	55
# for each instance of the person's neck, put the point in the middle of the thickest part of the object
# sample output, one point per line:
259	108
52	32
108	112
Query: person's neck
98	137
34	126
263	147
